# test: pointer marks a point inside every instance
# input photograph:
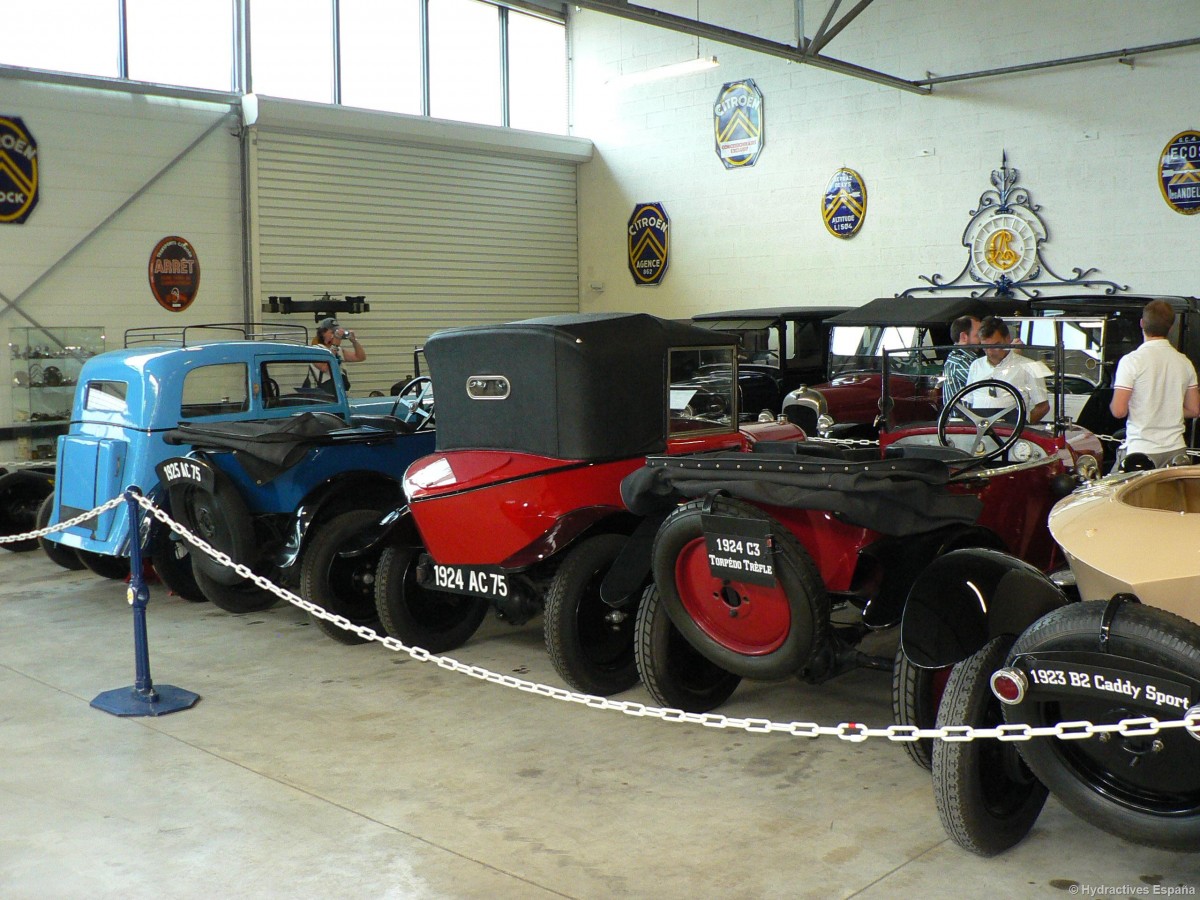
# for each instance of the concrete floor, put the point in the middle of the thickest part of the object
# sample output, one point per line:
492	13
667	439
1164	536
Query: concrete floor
311	769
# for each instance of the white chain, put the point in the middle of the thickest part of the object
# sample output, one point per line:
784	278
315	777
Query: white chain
83	517
854	732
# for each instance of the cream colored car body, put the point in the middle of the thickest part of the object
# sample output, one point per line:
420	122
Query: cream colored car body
1137	534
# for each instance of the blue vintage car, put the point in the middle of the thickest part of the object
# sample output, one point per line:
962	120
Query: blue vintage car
270	460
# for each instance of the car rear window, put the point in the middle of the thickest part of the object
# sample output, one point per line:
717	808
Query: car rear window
215	390
106	396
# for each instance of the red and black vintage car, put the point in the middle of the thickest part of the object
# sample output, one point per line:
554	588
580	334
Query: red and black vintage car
520	509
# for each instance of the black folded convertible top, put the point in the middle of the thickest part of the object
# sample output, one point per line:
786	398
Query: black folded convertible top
892	496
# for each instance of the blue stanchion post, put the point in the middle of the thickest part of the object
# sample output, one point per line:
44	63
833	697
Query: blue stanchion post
142	698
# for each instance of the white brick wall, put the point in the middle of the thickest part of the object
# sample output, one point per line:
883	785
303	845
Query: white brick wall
1086	140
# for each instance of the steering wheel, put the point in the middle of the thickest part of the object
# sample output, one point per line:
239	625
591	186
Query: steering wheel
270	389
984	425
420	390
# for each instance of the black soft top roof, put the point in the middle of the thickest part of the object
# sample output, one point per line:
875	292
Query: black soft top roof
928	310
820	313
1089	304
583	386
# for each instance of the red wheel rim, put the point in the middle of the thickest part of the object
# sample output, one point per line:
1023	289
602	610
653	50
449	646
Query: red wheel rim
746	618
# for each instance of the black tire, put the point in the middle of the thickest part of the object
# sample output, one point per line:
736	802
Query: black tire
590	653
986	796
674	673
172	561
916	695
776	629
114	567
21	495
436	621
243	597
1155	802
59	554
221	519
343	586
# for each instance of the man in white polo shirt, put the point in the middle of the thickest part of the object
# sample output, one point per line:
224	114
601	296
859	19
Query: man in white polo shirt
1002	364
1155	389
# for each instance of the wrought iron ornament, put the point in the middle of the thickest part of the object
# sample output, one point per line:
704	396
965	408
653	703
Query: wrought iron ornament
649	243
844	204
1179	173
18	171
738	124
1004	240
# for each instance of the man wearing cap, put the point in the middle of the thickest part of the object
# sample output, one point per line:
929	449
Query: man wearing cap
330	335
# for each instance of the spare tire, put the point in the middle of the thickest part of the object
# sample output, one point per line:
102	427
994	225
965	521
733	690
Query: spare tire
745	628
1145	788
220	518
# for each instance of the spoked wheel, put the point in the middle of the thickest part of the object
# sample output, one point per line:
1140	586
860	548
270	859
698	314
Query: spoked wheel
341	585
674	673
916	695
1144	788
21	494
986	797
590	643
114	567
436	621
59	554
172	561
753	630
243	596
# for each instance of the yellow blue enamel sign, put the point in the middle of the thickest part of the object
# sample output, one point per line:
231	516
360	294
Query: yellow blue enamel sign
844	205
738	124
18	171
649	242
1179	173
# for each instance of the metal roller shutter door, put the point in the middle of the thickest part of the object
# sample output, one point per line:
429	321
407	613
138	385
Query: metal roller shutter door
433	237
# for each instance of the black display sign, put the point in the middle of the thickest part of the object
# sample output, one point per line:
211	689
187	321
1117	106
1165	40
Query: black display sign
18	171
649	243
739	549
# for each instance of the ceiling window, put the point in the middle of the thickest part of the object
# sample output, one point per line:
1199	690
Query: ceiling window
537	74
291	49
381	54
188	44
35	36
464	62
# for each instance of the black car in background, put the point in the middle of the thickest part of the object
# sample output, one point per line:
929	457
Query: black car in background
780	349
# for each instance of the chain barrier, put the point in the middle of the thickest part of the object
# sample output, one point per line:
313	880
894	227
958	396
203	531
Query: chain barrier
846	442
61	526
853	732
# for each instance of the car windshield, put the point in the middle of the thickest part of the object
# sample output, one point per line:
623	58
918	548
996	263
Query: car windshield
701	392
860	348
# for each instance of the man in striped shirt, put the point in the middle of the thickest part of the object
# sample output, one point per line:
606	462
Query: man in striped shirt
964	331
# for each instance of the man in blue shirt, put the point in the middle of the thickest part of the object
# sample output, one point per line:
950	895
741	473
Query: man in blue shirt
964	331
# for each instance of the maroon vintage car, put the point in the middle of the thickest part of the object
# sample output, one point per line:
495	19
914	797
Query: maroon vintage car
519	509
780	560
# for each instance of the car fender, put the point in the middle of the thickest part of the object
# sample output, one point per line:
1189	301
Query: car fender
630	571
331	498
965	598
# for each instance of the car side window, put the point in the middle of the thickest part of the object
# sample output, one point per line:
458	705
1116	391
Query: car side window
805	346
106	396
294	383
215	390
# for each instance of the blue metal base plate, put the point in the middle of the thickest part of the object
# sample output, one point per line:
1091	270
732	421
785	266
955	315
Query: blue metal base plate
127	701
